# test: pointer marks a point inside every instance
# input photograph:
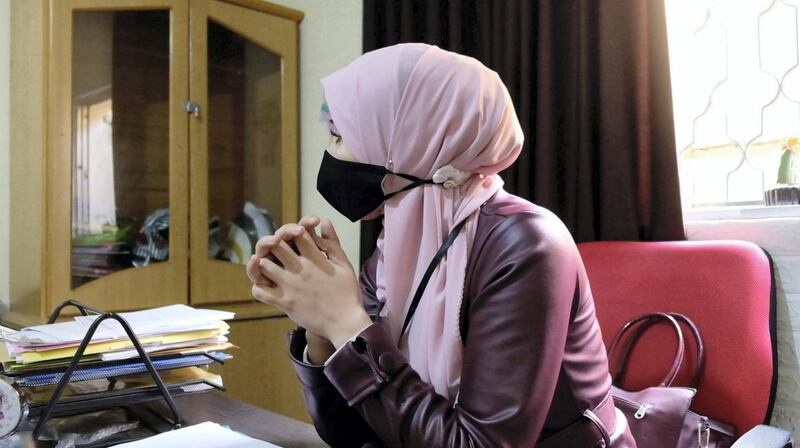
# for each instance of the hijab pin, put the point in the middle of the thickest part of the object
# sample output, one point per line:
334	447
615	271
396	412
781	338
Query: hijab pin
449	176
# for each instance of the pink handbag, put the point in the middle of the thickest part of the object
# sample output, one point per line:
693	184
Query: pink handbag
659	416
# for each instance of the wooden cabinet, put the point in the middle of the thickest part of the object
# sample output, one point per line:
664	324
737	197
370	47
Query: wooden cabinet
153	141
245	147
116	155
260	376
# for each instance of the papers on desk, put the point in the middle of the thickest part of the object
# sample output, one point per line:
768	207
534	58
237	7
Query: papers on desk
176	329
163	320
140	387
120	369
204	435
181	342
178	339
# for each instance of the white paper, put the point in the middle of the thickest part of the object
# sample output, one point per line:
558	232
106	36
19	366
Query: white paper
162	320
165	319
133	353
204	435
56	333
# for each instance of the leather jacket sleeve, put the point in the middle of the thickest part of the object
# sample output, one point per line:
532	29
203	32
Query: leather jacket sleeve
337	423
521	294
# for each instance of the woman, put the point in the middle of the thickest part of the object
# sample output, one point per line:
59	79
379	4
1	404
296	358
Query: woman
498	345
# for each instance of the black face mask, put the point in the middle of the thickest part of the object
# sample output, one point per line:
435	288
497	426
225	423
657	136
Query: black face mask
354	189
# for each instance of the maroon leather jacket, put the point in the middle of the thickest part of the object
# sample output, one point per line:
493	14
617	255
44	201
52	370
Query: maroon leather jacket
533	361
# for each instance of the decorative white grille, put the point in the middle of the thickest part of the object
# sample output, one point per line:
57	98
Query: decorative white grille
736	96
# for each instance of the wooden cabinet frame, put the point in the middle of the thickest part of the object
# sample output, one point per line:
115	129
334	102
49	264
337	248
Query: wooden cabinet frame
153	285
41	149
214	281
41	193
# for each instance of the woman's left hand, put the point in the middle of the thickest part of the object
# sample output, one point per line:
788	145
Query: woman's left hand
319	293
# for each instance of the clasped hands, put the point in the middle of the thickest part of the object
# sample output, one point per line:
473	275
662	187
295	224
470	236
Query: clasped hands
308	276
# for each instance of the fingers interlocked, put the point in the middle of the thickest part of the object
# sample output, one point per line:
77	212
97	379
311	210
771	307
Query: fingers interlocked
293	250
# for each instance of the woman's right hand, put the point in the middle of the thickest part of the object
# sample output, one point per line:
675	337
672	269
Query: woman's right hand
283	236
319	348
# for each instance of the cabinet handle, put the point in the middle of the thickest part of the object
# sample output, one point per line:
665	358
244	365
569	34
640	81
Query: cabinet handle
192	108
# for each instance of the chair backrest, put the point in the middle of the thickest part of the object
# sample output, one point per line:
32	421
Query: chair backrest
725	287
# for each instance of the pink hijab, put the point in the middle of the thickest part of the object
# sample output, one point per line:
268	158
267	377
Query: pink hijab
414	108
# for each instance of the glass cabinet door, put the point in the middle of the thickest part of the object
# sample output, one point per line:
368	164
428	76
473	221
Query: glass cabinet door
243	142
120	214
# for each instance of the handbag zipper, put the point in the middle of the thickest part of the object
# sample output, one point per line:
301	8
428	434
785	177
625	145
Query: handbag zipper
642	410
703	430
626	401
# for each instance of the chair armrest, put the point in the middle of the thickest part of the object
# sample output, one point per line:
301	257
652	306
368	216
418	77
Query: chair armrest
763	436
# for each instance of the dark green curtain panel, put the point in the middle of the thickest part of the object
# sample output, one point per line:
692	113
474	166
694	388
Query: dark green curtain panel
590	83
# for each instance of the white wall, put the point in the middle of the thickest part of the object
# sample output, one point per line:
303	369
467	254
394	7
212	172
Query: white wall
781	238
5	50
330	38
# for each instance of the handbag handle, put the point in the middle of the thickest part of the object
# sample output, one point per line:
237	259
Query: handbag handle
679	351
699	360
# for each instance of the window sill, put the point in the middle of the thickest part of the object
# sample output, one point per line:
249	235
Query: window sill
733	213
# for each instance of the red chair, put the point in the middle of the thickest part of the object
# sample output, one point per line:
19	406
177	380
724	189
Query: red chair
727	289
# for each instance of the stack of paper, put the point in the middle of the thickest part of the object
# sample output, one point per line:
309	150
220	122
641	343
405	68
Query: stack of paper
204	435
100	393
175	337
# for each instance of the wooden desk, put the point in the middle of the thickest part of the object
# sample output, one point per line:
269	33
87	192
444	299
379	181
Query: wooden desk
251	420
216	407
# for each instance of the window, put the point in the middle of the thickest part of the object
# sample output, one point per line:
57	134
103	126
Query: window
94	202
736	100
